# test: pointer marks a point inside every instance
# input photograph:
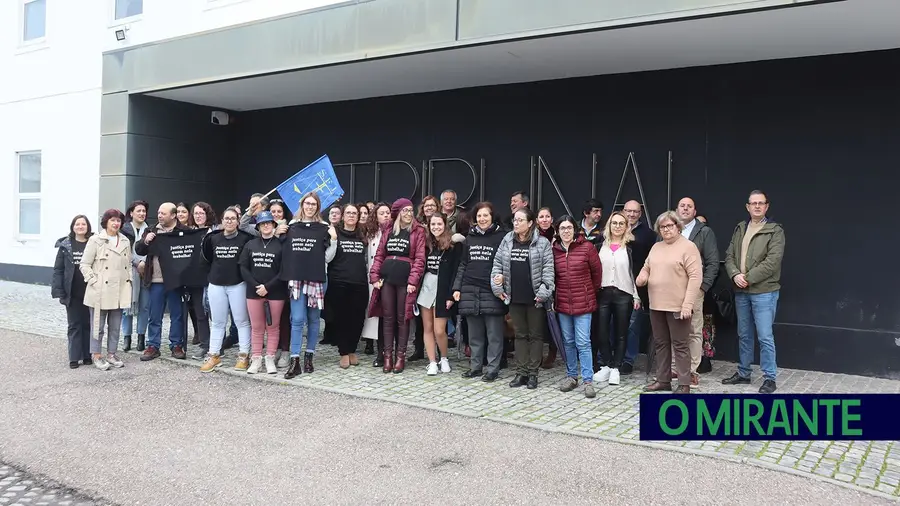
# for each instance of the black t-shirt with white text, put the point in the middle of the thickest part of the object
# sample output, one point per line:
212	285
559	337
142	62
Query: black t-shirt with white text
520	274
260	265
78	283
223	254
303	252
393	271
349	262
433	261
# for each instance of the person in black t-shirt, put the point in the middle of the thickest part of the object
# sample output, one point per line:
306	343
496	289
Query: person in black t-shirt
396	273
348	291
68	286
222	249
435	297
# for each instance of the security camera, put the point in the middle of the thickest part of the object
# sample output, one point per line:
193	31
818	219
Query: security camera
220	118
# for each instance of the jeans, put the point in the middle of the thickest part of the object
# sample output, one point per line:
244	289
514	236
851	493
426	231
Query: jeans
143	316
576	332
221	299
755	315
303	315
637	329
159	299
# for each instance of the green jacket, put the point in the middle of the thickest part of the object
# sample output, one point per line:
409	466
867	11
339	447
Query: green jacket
763	260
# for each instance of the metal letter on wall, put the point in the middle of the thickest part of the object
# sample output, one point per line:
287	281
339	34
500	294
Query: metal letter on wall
430	177
637	176
380	164
353	165
541	169
481	185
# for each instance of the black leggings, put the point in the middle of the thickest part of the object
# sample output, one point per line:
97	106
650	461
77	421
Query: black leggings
616	304
393	306
347	327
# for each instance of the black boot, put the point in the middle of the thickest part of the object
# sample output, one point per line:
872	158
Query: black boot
308	363
293	368
379	356
370	348
419	354
126	344
141	342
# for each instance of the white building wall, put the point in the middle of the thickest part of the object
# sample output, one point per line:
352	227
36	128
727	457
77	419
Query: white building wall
50	99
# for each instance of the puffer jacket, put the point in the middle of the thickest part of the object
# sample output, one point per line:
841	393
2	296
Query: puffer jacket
476	297
578	277
540	258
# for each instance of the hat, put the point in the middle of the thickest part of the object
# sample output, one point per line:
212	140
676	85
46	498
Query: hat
264	217
398	205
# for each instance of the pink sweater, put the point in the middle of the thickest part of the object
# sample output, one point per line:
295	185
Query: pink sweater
675	275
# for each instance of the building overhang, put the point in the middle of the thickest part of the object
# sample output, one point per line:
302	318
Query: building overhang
473	55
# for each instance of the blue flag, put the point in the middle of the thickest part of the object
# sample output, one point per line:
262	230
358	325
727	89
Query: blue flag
317	177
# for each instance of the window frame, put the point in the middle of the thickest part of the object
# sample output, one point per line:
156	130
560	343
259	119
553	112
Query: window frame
37	41
20	196
116	22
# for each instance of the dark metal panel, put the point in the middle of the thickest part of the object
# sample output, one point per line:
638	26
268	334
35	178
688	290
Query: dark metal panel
494	18
346	32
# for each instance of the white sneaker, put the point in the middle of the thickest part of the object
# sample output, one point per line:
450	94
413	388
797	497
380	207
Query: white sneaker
101	364
602	376
255	364
613	376
284	360
445	365
432	369
270	365
114	361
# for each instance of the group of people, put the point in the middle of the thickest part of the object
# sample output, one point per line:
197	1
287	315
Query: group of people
382	266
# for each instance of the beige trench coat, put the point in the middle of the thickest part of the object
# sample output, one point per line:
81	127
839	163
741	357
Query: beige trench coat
107	268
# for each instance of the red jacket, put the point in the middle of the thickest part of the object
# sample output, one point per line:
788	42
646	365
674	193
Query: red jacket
578	274
416	267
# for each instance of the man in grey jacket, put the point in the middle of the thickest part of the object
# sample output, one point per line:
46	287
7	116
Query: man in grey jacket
705	240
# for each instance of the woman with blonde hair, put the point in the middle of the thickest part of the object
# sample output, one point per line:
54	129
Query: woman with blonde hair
618	295
673	273
107	269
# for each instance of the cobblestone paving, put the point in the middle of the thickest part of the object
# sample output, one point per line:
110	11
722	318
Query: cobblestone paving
17	488
612	415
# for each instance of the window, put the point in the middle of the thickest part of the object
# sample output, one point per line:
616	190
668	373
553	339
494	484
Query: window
34	20
28	194
128	8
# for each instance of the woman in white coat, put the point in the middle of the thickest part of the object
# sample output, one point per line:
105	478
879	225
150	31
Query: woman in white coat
107	269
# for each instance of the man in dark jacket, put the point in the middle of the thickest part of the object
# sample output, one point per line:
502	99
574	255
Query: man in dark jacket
591	223
644	239
159	296
705	240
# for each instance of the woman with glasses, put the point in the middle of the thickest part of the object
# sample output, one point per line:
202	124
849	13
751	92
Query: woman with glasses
524	281
396	273
484	312
348	285
578	274
282	216
372	329
222	250
673	274
617	297
307	246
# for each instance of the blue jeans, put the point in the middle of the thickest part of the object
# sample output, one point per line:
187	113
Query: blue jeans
159	299
223	299
755	315
303	315
576	332
143	316
637	329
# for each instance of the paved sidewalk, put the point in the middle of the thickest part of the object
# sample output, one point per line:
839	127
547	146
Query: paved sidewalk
612	415
20	488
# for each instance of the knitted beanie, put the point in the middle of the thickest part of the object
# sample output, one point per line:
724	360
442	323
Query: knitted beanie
398	205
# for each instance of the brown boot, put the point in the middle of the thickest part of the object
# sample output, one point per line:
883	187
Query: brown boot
656	386
400	364
682	389
388	362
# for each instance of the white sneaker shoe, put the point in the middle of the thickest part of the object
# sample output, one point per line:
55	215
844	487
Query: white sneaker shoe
255	364
270	365
101	364
445	365
602	376
432	369
613	376
284	360
114	361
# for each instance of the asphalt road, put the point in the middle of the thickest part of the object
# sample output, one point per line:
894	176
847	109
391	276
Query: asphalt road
159	433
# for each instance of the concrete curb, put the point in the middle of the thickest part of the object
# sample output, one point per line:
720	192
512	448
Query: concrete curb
472	414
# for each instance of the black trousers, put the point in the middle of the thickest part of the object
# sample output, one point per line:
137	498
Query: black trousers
198	316
332	304
347	329
79	333
419	341
284	337
615	304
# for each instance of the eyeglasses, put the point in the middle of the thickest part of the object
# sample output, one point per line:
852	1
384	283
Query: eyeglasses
430	205
229	218
519	220
757	204
617	223
667	227
406	210
567	229
310	204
